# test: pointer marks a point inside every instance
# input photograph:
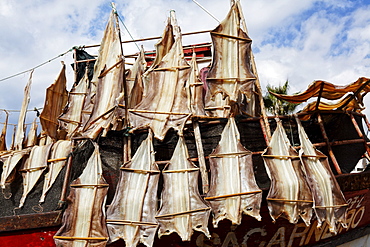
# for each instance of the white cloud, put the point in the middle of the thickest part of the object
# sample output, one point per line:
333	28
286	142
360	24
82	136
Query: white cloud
296	40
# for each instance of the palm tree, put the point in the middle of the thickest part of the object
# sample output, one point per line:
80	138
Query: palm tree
277	106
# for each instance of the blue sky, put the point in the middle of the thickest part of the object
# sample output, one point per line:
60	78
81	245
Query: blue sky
301	41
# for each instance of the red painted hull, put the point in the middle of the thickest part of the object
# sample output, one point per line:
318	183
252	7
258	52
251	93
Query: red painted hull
250	233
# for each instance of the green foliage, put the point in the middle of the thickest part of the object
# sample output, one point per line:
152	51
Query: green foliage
276	106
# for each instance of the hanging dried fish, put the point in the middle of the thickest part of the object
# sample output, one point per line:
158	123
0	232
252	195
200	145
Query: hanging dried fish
130	216
233	186
33	168
71	119
19	135
110	81
289	195
329	203
195	89
3	133
84	219
55	100
10	160
164	108
182	209
230	78
58	158
31	139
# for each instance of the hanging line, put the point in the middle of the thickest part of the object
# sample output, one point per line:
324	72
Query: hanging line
38	66
119	17
205	10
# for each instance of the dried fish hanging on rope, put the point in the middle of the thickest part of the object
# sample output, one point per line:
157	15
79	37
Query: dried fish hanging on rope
55	100
195	89
182	209
130	216
163	107
230	79
329	203
135	86
31	139
233	186
71	119
3	133
289	195
58	158
11	159
84	219
33	168
109	72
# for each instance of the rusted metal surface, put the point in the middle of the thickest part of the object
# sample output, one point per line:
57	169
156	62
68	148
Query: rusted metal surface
30	221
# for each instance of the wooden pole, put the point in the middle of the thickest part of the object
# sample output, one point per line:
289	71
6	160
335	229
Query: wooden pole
201	159
67	175
360	134
331	154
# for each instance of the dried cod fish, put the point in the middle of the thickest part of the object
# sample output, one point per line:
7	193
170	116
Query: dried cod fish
3	133
182	209
58	158
230	78
19	134
195	89
130	216
71	119
109	81
329	203
233	186
164	106
10	160
31	139
33	168
55	100
84	219
289	195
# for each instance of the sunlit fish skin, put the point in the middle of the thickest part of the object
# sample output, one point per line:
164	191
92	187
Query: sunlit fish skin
164	104
289	195
130	216
230	78
108	78
58	156
84	221
182	209
329	202
33	168
232	174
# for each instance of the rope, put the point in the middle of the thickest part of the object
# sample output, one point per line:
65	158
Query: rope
205	10
38	66
119	17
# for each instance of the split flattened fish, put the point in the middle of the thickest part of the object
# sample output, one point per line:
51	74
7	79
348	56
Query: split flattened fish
182	209
55	100
10	160
164	106
130	216
3	133
230	78
195	88
20	132
58	158
329	203
84	219
108	77
289	195
33	168
31	139
233	186
71	119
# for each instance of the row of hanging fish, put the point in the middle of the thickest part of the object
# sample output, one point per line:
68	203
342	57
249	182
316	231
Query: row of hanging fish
301	185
